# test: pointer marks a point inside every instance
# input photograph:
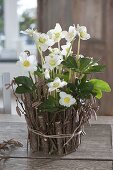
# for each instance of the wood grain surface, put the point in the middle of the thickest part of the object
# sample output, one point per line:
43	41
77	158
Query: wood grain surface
96	144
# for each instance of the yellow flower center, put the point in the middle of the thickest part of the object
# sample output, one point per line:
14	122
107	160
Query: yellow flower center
52	62
82	34
42	40
66	100
56	84
26	63
57	35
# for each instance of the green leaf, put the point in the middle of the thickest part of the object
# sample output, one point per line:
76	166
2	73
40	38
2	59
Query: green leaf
64	76
23	80
96	68
98	93
70	63
81	89
22	90
88	65
71	87
84	79
100	84
84	63
50	105
25	85
39	71
85	89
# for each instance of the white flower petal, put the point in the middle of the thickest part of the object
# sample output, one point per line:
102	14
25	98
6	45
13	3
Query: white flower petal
57	83
64	34
52	61
66	99
57	79
82	32
27	63
23	56
70	35
49	33
29	32
47	75
61	102
66	49
44	47
58	27
63	83
32	59
62	94
56	33
50	42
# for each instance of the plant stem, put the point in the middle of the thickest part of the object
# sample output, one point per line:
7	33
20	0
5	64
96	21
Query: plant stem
30	77
40	52
70	71
66	57
34	94
78	46
69	49
59	45
56	71
78	50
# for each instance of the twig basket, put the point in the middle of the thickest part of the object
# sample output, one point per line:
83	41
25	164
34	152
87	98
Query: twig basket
58	133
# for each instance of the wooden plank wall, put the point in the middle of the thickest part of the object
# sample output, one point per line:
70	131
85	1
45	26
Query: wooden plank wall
97	15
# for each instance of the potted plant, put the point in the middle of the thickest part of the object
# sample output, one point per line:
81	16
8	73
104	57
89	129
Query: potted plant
57	97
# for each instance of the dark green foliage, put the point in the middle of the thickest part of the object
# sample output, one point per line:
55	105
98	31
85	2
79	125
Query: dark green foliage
24	85
82	89
23	89
96	68
70	63
39	71
50	105
85	65
64	76
88	65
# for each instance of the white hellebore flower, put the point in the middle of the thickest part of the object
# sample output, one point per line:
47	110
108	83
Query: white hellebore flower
71	34
46	74
28	63
52	61
56	33
66	99
43	41
57	83
54	51
29	32
66	49
82	32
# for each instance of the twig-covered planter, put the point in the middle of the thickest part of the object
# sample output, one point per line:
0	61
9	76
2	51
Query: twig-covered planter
57	96
57	133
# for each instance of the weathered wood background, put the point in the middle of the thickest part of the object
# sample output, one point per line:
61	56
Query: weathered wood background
97	16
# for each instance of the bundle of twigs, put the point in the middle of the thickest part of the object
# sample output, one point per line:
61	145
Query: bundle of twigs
58	132
8	146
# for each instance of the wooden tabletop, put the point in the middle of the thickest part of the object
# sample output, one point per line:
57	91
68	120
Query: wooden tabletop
96	146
